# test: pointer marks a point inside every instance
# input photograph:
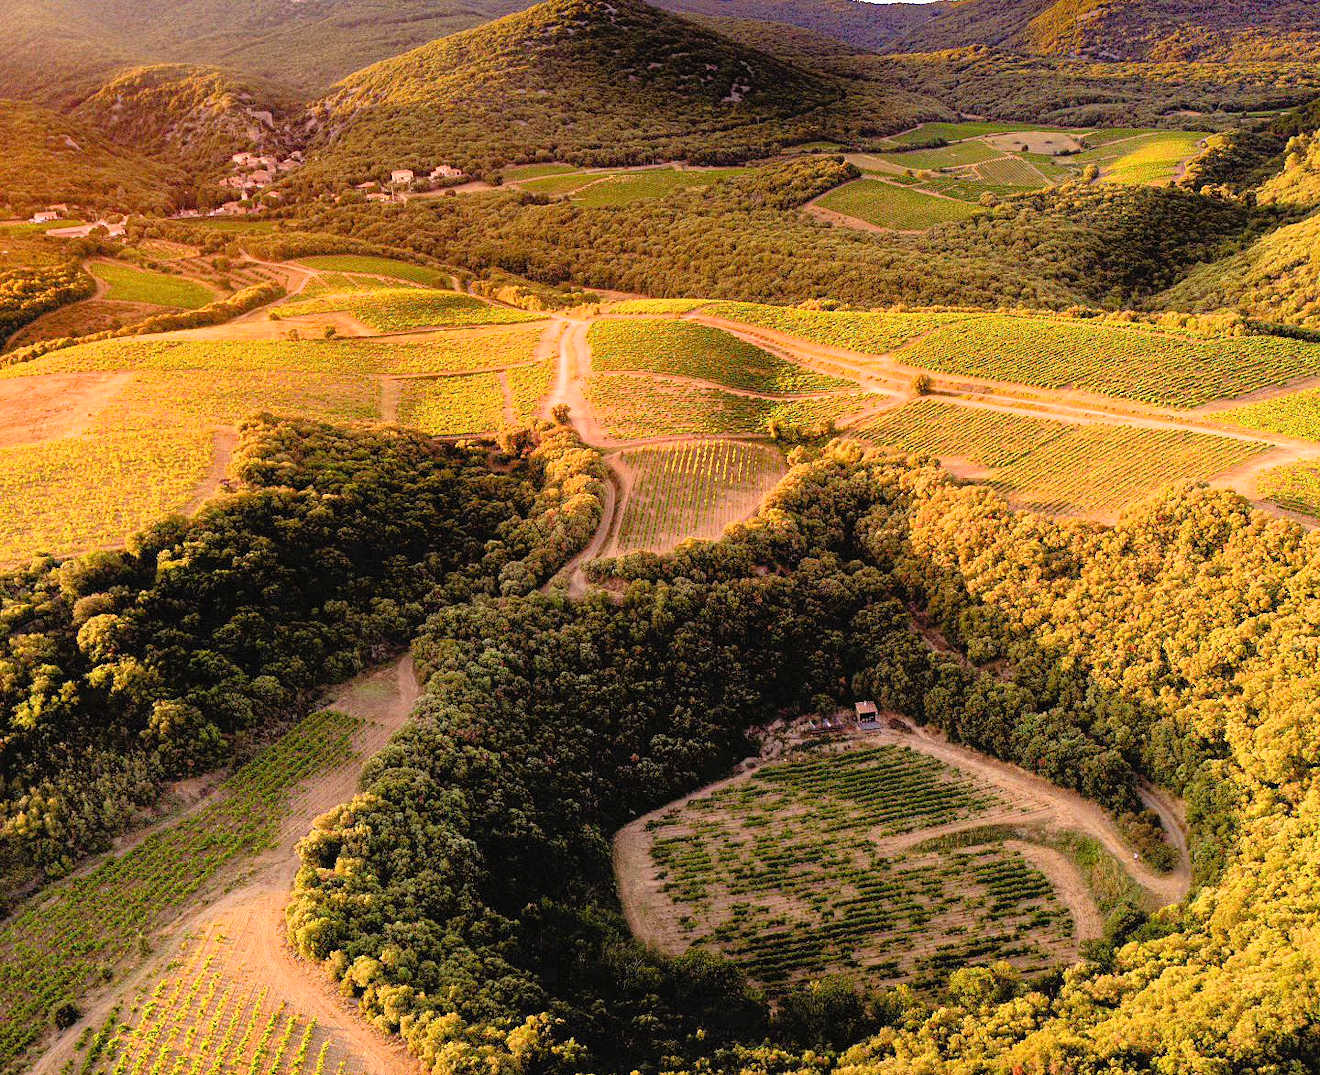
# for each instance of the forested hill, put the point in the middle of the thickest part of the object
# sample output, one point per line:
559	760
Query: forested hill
588	81
1243	31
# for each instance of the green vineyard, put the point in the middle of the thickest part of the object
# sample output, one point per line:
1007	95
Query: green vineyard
401	309
693	491
199	1021
86	929
1057	467
786	872
685	349
631	408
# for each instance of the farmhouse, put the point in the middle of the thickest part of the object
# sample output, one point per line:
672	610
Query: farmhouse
44	217
866	713
401	177
446	171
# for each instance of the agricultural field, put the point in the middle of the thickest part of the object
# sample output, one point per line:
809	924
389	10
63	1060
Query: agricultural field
801	869
479	348
1144	363
1152	160
404	309
865	332
686	349
889	205
145	449
77	493
632	408
467	404
1095	470
128	283
597	189
94	926
692	491
373	266
634	307
1294	415
195	1020
1294	487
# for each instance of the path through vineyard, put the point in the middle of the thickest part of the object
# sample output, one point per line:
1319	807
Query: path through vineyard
251	913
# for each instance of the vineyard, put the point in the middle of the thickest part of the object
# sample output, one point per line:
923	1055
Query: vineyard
478	348
869	333
1294	488
85	930
127	283
889	205
686	349
631	408
401	309
1057	467
199	1021
146	451
453	406
1153	160
693	491
374	266
1293	415
786	873
1131	361
78	493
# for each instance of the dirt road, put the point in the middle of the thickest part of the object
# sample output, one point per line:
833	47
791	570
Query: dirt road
251	914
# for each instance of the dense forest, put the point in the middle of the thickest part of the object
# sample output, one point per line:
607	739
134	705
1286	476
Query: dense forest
465	896
119	670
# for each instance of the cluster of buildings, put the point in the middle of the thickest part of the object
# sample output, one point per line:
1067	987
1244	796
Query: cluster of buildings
405	180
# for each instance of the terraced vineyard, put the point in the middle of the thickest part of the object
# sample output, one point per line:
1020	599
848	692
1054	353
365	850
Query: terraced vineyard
84	929
1091	470
786	872
401	309
631	408
693	491
685	349
1131	361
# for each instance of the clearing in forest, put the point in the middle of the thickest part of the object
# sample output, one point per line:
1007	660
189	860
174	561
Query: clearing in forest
692	491
829	861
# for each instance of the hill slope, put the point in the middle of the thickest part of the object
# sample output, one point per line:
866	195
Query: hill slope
188	115
1163	30
54	158
58	49
589	81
